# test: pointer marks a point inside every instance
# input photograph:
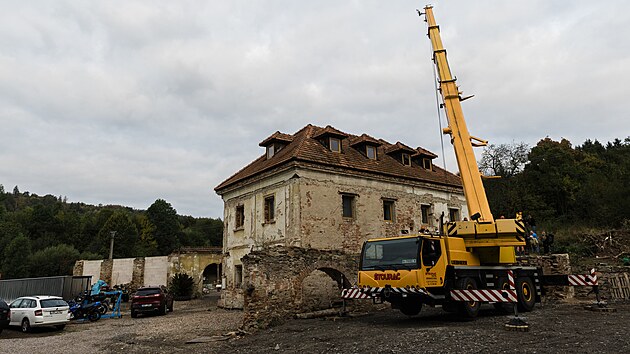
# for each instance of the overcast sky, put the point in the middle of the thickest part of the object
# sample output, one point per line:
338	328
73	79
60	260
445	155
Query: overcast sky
125	102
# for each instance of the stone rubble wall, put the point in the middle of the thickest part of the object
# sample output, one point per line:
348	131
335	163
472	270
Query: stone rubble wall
274	279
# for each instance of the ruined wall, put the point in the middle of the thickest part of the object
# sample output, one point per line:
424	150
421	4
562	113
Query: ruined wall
142	271
319	291
273	280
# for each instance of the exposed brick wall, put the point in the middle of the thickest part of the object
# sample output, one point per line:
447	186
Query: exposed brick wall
274	279
77	270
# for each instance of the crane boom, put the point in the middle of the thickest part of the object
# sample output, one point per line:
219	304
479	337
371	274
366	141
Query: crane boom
460	137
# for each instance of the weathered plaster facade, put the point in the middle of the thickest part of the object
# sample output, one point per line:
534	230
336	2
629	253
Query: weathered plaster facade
308	213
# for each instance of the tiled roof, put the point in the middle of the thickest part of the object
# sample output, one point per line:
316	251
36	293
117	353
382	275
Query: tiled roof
277	136
364	139
305	148
399	147
423	152
328	131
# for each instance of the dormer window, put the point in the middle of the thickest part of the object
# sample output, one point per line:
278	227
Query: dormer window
334	144
276	142
406	159
270	151
426	163
370	152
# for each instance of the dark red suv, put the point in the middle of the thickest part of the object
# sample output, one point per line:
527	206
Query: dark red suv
151	299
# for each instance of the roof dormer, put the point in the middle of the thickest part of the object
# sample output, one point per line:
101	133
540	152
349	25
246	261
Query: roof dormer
367	145
276	142
331	138
424	158
401	152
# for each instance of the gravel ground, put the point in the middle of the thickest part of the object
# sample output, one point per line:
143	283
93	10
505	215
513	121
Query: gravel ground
145	334
554	328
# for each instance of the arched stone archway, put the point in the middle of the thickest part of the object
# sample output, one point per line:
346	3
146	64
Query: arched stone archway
274	278
321	288
195	262
212	275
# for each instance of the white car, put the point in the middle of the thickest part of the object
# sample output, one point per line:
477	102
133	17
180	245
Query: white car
36	311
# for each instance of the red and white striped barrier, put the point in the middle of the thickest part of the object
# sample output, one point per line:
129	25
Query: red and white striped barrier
583	280
354	293
488	295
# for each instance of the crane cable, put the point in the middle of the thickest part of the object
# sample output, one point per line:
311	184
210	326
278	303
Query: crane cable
437	101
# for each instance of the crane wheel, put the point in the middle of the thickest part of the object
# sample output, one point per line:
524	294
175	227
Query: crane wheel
410	307
468	309
503	307
526	294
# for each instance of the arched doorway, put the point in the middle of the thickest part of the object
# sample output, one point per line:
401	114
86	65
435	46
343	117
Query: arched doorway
321	288
211	277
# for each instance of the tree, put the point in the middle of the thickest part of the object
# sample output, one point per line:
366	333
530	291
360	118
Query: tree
54	260
554	174
505	160
167	229
125	238
146	245
15	261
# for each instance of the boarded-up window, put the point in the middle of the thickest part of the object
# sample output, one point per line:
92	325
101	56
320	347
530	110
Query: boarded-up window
453	214
426	211
388	210
238	275
347	201
270	206
240	216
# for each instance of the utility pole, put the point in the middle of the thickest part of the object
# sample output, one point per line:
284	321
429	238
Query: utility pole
111	244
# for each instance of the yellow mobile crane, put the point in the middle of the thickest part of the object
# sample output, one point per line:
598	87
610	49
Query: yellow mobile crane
409	271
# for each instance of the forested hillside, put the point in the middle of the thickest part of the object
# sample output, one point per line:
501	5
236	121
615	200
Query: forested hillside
560	185
45	235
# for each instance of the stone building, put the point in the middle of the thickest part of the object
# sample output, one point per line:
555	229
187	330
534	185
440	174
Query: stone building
324	189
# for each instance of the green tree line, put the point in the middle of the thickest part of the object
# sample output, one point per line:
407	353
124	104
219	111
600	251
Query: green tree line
45	235
561	185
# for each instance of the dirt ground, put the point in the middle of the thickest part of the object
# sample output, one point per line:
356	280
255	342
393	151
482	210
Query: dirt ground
553	328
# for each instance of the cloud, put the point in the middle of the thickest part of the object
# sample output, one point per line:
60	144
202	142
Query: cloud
126	102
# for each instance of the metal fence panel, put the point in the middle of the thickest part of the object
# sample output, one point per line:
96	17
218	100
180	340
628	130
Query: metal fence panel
64	286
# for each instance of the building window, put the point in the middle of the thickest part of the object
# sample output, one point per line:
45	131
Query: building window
270	151
348	202
388	210
426	212
406	159
240	216
453	214
426	163
269	208
238	275
370	152
335	145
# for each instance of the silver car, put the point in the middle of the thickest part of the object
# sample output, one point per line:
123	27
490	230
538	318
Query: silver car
37	311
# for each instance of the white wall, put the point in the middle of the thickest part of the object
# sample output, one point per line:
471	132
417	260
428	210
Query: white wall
156	270
122	271
92	268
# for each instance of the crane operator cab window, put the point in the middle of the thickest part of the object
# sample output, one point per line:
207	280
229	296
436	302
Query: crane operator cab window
431	252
